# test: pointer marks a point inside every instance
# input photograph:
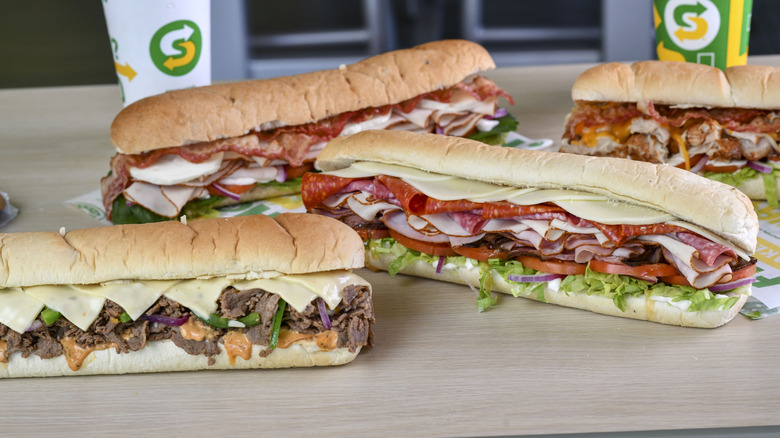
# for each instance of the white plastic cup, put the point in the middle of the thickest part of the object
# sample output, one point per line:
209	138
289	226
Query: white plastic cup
159	45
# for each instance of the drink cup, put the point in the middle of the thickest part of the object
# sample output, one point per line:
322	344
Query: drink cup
711	32
159	45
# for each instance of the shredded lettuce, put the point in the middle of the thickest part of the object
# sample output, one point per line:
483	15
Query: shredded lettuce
613	286
497	135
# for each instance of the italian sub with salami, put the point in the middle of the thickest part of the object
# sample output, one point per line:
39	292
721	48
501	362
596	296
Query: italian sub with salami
186	152
243	292
613	236
721	124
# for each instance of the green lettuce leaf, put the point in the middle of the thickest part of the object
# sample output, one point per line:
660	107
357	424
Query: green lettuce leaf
121	213
739	177
497	135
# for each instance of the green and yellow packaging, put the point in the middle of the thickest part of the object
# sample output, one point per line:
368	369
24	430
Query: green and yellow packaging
711	32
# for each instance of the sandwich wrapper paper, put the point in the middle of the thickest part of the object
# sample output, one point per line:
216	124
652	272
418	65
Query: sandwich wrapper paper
766	290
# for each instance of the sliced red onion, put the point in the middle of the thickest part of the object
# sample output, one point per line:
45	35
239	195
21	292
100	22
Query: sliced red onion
226	192
440	264
323	313
700	165
439	130
35	325
534	278
500	112
167	320
760	167
281	175
731	285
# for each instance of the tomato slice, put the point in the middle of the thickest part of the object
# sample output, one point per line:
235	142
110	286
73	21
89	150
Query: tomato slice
722	169
372	233
552	266
295	172
437	249
231	188
747	271
649	272
482	253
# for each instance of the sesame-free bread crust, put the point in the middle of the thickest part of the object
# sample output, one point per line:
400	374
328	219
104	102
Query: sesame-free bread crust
680	83
290	243
200	114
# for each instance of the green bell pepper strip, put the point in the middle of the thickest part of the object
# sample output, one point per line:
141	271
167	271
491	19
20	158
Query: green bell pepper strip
277	323
125	317
49	316
250	320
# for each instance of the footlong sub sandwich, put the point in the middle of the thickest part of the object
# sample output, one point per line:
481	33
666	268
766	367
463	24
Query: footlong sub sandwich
613	236
244	292
186	152
721	124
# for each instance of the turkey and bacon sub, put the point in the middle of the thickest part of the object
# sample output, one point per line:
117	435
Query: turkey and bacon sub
186	152
613	236
721	124
244	292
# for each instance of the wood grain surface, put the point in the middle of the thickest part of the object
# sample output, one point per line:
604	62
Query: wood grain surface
439	368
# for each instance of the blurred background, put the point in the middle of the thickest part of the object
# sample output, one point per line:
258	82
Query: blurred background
57	43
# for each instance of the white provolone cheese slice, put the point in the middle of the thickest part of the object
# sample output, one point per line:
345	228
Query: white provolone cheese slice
17	309
300	290
78	307
327	286
200	296
459	188
553	195
615	213
135	297
297	296
363	169
172	169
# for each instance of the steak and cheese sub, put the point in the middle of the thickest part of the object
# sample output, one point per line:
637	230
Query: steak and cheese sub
721	124
244	292
613	236
186	152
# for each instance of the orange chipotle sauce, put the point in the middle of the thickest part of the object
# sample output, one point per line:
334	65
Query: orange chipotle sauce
327	340
237	344
75	354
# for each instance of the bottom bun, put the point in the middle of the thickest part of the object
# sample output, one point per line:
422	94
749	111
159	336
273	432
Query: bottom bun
161	356
754	188
636	307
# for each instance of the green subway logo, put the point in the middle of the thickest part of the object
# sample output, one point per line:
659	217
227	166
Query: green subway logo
175	47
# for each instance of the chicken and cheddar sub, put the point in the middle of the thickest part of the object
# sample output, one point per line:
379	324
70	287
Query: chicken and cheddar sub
609	235
186	152
244	292
724	125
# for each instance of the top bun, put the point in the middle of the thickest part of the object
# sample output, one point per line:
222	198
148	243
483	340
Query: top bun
680	83
228	110
288	243
717	207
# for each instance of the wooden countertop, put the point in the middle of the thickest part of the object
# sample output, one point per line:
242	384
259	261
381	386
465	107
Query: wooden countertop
439	368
